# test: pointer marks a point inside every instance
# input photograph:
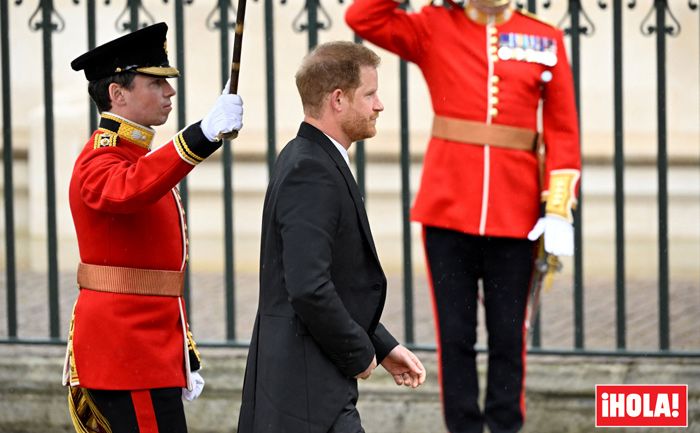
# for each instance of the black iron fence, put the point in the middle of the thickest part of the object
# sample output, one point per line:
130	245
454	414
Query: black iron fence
660	23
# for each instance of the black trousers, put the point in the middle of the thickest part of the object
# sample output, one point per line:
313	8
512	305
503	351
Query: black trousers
148	411
456	262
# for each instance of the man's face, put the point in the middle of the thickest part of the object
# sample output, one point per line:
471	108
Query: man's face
148	101
359	120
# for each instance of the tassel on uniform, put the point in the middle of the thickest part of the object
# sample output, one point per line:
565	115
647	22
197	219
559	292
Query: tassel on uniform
193	351
84	414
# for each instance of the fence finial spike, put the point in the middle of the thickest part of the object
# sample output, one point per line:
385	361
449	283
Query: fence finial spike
213	25
673	30
588	29
126	24
35	22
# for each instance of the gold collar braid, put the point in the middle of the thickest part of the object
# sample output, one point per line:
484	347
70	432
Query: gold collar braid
128	130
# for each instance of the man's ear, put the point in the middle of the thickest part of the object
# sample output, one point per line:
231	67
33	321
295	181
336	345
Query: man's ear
116	94
336	100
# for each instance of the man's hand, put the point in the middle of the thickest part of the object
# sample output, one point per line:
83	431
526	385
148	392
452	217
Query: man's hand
367	373
226	116
197	387
405	367
558	235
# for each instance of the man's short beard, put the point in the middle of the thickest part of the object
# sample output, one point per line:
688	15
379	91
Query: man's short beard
357	129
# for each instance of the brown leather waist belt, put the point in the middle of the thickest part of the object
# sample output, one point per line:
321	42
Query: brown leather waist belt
469	131
132	281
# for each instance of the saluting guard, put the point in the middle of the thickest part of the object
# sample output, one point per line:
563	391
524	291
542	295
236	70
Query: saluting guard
131	358
494	73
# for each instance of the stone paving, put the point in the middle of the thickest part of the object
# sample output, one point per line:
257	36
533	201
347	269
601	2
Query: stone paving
208	311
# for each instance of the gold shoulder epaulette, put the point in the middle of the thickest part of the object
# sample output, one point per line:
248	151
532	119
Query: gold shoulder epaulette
529	14
105	139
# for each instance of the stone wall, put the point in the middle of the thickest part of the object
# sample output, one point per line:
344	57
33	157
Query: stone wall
560	392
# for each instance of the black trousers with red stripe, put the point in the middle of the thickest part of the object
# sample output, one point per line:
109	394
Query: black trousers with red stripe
456	262
145	411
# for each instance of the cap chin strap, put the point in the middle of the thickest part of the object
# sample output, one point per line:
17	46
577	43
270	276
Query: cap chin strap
481	14
490	6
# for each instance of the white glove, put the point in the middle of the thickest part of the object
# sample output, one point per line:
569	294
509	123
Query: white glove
224	117
558	235
197	387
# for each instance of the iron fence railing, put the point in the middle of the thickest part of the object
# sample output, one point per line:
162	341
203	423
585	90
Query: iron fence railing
660	22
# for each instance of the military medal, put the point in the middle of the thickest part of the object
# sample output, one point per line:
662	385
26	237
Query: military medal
527	48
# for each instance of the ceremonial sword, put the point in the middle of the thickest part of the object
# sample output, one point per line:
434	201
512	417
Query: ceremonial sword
545	266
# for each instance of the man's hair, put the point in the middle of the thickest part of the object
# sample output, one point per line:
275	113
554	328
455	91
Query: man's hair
330	66
99	89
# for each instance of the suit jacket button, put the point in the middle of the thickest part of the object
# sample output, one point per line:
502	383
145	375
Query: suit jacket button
376	286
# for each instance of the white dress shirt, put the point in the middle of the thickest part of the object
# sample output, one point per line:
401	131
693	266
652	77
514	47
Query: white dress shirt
343	151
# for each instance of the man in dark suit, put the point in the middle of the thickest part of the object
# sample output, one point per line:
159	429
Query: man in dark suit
322	288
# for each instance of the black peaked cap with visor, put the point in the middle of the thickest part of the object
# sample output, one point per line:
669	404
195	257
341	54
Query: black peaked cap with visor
143	51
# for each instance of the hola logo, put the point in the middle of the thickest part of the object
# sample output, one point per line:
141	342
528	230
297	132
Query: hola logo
641	405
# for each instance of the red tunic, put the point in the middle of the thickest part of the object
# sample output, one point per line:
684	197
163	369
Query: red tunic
477	189
127	213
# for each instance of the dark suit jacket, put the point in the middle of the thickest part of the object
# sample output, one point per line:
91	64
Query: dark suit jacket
322	291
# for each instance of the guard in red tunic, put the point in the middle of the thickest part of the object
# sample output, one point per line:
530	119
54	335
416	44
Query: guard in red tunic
131	358
500	84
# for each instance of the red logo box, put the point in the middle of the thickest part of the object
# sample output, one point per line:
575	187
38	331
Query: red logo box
641	405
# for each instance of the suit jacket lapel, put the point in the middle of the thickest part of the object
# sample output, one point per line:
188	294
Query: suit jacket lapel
311	133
